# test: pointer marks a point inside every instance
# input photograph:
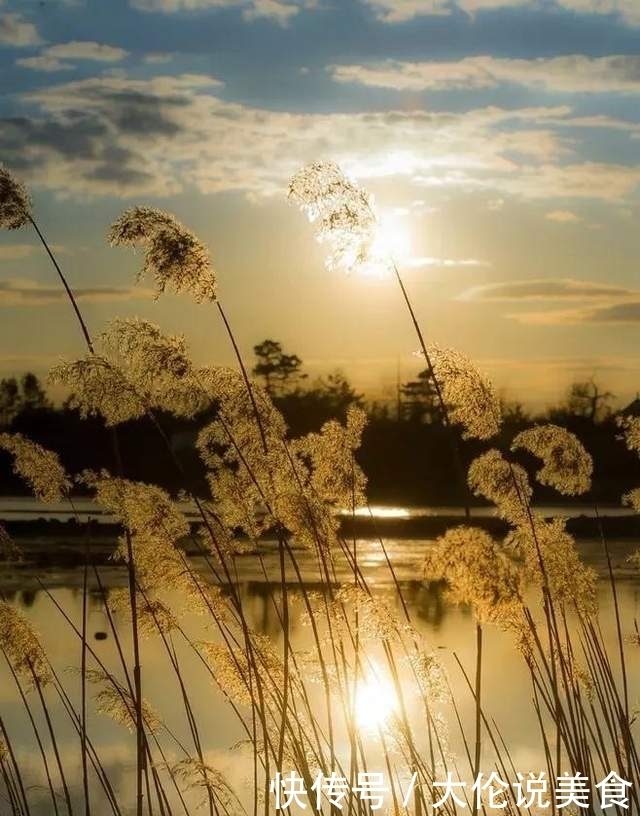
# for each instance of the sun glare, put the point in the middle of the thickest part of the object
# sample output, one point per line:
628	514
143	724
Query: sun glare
393	238
391	244
375	701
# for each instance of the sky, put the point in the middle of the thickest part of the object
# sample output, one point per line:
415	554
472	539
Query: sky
499	138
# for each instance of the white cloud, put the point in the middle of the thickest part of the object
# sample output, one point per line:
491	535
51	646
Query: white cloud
86	50
444	263
44	63
567	74
53	58
280	11
613	313
398	11
550	289
563	217
157	58
19	292
17	32
271	9
125	137
15	252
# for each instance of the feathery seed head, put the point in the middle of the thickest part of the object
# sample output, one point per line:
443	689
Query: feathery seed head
139	224
503	483
22	647
140	368
344	216
546	545
9	551
631	427
632	499
470	399
40	468
174	256
476	571
145	350
115	701
98	387
15	203
566	464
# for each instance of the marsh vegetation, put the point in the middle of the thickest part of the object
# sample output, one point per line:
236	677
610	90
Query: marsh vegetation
364	691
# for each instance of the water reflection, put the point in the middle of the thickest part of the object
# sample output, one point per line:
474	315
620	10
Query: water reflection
446	630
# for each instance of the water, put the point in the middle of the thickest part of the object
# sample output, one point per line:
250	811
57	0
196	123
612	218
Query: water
448	631
25	508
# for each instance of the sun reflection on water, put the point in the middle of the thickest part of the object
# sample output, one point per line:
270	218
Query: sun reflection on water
375	701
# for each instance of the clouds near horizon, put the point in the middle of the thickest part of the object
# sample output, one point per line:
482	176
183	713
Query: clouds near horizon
599	302
19	292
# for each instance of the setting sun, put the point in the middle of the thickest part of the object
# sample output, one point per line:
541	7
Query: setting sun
393	238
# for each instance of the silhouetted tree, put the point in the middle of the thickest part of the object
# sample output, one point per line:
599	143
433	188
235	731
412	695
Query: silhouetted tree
281	372
418	401
33	395
585	400
338	393
10	401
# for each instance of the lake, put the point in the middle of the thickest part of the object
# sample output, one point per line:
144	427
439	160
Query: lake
446	630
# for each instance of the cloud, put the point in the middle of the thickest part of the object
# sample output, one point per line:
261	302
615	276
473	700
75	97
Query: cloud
551	289
563	217
625	312
421	263
116	136
86	50
17	32
52	59
15	252
399	11
157	58
18	292
44	63
567	74
280	11
600	302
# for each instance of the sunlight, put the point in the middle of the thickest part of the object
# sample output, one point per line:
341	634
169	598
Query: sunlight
375	701
378	511
393	238
391	244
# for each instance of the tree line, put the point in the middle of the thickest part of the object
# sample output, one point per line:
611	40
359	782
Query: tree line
401	435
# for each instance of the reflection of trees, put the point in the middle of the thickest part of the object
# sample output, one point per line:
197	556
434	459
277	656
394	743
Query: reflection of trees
429	602
28	597
264	599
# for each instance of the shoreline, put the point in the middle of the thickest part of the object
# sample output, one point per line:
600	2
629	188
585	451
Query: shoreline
51	542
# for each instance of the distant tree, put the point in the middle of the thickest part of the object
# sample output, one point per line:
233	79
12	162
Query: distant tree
34	396
281	372
418	400
10	400
586	400
514	413
338	393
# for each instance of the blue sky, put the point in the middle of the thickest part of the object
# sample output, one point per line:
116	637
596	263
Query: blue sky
501	139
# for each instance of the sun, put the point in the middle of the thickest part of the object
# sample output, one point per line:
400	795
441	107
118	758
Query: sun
391	244
375	701
393	237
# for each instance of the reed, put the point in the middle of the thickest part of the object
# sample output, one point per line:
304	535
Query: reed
300	709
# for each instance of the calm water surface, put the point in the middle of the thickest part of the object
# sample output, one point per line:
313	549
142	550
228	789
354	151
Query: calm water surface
449	631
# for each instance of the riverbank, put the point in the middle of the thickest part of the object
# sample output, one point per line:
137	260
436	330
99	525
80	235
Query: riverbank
65	542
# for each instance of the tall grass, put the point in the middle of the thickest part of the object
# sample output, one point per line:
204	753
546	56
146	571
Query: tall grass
299	709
